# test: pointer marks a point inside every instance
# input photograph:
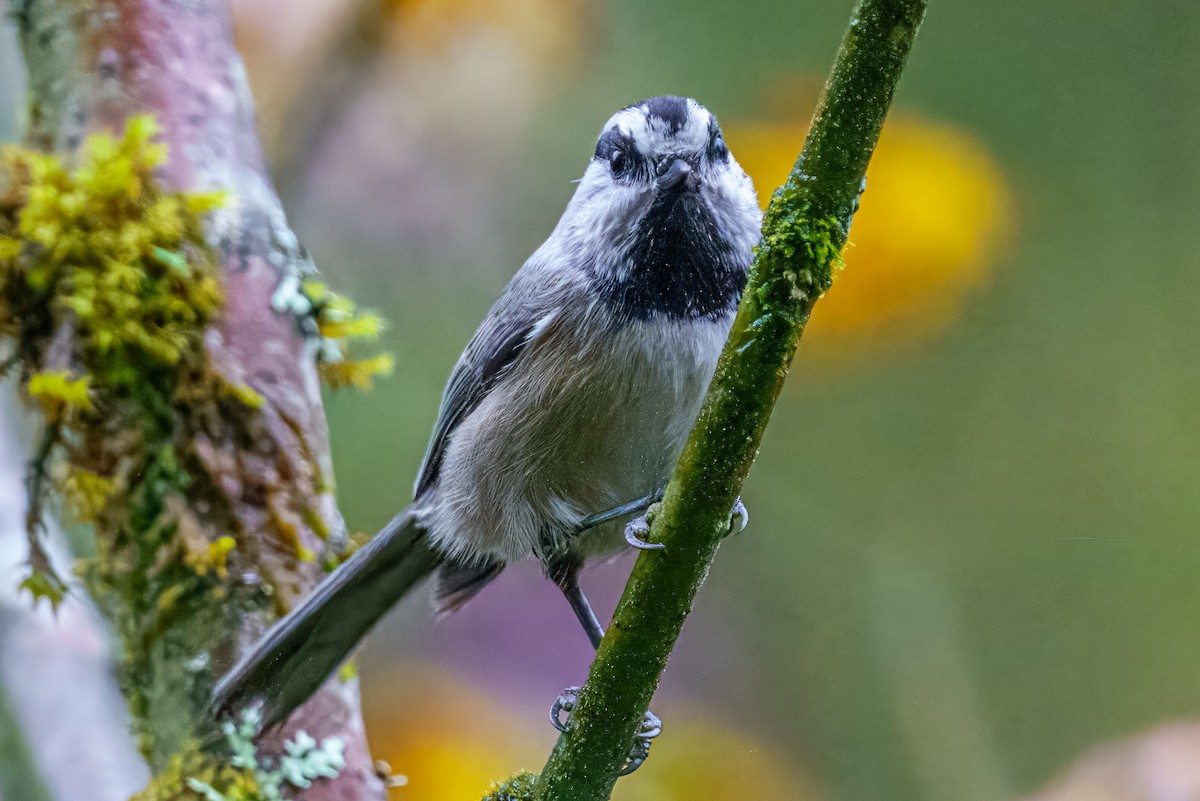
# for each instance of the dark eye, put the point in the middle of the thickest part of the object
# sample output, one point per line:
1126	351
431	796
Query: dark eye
619	163
716	148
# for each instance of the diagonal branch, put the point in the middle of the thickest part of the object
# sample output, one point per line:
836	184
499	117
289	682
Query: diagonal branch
804	230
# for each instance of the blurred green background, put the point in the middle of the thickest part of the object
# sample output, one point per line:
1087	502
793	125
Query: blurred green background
982	560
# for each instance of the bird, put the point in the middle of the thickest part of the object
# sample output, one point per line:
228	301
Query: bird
568	408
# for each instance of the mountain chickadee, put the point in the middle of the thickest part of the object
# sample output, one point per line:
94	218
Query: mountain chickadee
570	405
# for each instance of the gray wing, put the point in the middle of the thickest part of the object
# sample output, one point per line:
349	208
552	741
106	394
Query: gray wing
492	351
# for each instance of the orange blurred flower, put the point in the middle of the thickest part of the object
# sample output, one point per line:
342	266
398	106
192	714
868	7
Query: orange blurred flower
447	739
450	740
934	217
697	758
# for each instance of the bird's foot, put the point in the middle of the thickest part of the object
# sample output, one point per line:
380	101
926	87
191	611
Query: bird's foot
640	505
560	716
637	529
740	515
563	704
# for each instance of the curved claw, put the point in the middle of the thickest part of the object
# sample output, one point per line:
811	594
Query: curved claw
564	703
743	517
635	533
637	755
651	727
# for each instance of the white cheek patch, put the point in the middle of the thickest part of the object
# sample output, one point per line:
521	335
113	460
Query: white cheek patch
604	207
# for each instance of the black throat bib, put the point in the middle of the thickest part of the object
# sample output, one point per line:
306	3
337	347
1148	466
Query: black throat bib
682	267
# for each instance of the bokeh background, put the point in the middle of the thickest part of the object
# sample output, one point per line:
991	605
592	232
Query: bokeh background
973	558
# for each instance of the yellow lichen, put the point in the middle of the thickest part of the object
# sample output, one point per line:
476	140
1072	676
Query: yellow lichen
358	373
192	768
247	395
215	557
124	263
54	390
107	284
86	493
338	321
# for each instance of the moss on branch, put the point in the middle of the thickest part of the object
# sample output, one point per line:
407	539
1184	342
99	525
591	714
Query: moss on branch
804	230
107	289
518	788
207	473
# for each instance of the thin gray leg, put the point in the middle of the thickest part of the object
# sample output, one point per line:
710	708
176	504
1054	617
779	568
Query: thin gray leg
566	576
640	505
583	611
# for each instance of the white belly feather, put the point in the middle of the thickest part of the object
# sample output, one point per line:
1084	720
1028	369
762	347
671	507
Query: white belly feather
572	431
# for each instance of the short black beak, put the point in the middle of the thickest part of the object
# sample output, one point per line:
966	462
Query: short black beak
674	172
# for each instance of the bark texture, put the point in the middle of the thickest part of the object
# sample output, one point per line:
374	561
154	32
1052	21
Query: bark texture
265	480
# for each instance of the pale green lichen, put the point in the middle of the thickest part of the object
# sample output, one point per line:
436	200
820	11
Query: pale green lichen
258	778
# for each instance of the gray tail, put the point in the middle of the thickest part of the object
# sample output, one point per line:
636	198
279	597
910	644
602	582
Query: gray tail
300	651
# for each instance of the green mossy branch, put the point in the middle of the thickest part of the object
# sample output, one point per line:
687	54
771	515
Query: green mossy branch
804	230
